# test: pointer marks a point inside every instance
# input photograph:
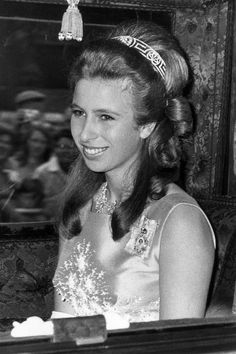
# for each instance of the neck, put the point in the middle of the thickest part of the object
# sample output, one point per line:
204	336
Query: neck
120	184
120	190
114	188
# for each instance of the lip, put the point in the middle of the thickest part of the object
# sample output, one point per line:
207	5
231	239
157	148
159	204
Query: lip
93	152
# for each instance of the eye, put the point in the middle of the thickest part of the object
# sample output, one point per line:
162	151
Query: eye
77	113
106	117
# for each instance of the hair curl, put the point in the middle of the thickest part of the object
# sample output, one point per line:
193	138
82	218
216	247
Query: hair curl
154	101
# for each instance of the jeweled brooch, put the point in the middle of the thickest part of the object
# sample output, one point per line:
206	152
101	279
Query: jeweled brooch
141	237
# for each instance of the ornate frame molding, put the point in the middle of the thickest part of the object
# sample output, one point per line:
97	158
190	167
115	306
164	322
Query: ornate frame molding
139	4
231	151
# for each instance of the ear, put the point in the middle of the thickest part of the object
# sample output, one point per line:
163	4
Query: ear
146	130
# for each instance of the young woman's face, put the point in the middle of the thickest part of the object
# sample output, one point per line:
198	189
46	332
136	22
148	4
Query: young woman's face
103	126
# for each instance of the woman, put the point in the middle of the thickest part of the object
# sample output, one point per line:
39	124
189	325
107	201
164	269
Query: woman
37	151
132	241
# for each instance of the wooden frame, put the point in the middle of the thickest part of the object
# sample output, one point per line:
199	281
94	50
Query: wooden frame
231	167
215	144
163	337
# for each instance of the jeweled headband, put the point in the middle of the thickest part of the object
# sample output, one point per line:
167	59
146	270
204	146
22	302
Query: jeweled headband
148	52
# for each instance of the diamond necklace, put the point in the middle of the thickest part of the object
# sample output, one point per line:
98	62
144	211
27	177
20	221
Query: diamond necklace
102	205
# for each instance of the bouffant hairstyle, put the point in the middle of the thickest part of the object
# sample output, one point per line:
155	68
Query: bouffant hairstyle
154	101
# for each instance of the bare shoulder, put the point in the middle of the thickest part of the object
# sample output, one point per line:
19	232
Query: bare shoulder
187	226
186	262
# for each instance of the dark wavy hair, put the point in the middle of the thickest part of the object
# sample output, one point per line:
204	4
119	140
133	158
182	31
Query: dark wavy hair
154	100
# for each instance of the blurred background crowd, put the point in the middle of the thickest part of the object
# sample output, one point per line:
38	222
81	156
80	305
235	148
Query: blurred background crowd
36	152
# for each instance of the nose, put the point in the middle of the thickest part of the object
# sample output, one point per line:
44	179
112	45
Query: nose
89	130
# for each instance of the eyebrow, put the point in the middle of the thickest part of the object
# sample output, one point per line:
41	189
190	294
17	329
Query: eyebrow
74	105
100	110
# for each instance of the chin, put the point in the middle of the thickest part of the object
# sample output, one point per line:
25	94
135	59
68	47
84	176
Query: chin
95	166
98	170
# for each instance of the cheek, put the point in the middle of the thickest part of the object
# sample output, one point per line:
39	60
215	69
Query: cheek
131	133
127	139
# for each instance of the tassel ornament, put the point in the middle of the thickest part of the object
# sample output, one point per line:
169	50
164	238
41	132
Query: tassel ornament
72	23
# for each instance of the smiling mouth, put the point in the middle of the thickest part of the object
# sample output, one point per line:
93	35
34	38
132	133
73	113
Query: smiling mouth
93	151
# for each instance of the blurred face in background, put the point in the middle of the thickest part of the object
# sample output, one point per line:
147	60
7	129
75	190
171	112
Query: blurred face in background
37	144
65	150
25	117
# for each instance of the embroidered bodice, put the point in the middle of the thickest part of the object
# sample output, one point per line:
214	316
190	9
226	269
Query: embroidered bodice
96	274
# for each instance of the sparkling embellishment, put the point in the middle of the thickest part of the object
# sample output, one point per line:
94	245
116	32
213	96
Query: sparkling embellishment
102	205
82	284
141	237
85	285
148	52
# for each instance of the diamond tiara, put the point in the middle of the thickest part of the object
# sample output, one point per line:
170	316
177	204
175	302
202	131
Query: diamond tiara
148	52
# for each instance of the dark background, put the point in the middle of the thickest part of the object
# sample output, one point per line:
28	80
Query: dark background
31	56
